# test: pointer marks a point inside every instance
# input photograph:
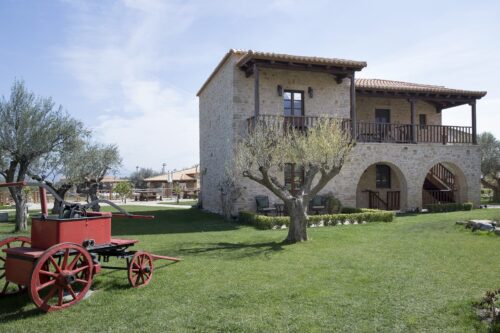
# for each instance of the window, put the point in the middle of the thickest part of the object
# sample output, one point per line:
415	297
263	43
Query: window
294	177
422	120
383	177
293	103
382	116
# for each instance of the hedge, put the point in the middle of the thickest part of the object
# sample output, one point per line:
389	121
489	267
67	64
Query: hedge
449	207
272	222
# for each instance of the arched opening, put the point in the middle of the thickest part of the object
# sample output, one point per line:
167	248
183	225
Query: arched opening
444	183
382	186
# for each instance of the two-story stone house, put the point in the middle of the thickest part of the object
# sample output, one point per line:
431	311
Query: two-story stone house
404	159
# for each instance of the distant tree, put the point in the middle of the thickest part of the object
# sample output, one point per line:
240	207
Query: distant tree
95	162
137	177
490	163
271	146
124	190
32	129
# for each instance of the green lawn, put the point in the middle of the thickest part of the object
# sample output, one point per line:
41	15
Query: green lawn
417	274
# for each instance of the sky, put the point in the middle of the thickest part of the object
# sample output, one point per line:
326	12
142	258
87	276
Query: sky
130	69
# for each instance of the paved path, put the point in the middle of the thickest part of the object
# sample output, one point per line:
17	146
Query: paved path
159	204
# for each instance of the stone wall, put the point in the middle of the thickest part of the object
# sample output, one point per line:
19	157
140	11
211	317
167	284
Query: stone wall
399	110
216	136
409	167
228	101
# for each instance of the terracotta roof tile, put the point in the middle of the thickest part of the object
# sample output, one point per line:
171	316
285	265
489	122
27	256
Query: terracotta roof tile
388	85
303	59
250	54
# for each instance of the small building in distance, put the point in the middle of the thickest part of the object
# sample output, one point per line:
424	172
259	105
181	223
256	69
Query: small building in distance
187	180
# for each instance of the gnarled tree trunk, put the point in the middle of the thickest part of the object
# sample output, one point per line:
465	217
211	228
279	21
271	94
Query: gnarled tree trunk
93	196
21	212
297	231
61	191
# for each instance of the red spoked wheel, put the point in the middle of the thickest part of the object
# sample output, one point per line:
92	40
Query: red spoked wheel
61	277
140	269
7	288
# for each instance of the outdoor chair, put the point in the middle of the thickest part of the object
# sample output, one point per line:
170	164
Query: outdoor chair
263	206
317	204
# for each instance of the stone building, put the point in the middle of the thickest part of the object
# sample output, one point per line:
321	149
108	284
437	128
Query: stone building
404	159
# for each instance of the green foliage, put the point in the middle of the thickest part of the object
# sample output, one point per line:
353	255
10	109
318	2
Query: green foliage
332	204
270	222
449	207
124	189
137	177
490	154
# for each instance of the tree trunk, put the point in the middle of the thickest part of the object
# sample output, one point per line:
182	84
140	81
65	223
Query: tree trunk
496	192
62	193
297	231
21	213
93	196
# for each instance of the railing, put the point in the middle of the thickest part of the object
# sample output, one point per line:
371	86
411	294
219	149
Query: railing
430	197
443	134
380	132
375	201
443	174
298	122
393	200
377	132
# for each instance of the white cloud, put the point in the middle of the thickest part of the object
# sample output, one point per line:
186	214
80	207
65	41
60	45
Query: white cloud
118	59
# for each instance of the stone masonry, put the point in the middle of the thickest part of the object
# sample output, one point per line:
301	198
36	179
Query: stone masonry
227	101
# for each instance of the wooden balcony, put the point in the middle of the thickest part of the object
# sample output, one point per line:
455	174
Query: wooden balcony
377	132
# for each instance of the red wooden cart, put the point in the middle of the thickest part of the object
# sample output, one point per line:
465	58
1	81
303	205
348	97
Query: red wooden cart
57	264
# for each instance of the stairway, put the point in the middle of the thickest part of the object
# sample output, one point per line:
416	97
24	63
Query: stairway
439	186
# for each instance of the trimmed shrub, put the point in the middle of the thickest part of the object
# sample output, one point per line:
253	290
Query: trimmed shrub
270	222
449	207
332	204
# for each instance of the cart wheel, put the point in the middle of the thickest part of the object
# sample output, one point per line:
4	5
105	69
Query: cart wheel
140	269
7	288
61	277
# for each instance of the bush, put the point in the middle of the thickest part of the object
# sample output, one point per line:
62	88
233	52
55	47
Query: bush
270	222
449	207
332	204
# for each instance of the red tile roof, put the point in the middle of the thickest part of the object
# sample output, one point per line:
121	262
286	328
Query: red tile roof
399	86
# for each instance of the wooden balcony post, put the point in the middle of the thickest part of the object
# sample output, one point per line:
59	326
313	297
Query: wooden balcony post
474	124
256	89
354	121
413	131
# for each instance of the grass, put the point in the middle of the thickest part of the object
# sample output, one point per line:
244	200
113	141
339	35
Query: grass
420	273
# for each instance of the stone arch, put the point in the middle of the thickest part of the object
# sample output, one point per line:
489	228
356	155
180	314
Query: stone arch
461	186
365	181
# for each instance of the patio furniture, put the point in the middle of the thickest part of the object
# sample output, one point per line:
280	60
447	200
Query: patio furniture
280	209
317	204
263	206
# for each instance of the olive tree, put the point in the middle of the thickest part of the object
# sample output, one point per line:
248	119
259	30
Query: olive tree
124	190
490	163
96	160
84	165
32	129
269	145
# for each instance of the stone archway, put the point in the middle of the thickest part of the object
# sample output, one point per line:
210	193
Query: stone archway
382	185
444	182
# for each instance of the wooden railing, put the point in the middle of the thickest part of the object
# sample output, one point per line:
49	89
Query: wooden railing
443	134
430	197
393	200
443	174
298	122
379	132
375	201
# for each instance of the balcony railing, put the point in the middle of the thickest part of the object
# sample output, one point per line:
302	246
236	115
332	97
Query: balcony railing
379	132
